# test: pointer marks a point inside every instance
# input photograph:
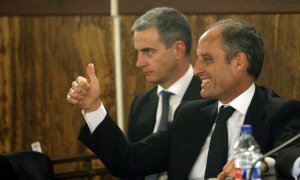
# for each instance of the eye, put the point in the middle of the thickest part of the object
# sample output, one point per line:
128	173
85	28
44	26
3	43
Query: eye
207	59
149	51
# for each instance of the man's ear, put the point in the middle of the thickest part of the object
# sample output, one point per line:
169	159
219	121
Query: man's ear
179	49
241	61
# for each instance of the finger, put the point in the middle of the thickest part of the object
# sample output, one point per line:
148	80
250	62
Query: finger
221	176
74	84
79	89
82	83
229	169
229	166
90	70
72	100
80	95
80	92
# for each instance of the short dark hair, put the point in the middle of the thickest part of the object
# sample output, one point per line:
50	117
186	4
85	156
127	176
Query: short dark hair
171	24
240	36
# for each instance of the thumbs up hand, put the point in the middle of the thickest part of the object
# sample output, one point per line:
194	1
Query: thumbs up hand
86	92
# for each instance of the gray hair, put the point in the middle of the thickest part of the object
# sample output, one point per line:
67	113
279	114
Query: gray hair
171	24
241	36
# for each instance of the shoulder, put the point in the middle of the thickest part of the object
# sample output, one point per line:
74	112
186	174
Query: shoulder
144	96
197	103
274	106
192	107
192	116
274	100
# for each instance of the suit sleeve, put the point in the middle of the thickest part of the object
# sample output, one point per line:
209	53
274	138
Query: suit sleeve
132	117
286	159
288	126
123	158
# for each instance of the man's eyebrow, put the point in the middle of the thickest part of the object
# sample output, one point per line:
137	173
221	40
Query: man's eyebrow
147	49
204	54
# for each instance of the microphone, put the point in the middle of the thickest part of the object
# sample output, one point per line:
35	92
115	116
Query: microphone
272	151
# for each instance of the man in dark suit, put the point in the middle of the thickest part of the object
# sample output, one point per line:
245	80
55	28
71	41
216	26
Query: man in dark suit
162	39
230	58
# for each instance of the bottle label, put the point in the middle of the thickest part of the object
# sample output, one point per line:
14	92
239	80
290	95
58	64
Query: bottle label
244	174
238	174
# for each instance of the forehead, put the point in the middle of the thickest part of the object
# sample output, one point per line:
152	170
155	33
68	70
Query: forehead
210	40
148	37
148	33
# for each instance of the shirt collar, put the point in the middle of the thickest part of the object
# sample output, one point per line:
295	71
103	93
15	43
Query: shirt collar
242	102
180	86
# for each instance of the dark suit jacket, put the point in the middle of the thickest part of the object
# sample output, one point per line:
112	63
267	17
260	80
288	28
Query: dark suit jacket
26	165
274	119
285	160
142	115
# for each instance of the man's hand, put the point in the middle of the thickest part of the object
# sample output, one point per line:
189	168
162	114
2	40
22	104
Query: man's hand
228	171
86	92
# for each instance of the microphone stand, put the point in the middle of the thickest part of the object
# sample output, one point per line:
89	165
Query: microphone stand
272	151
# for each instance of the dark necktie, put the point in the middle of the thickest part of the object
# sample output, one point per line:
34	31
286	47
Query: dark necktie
218	147
165	110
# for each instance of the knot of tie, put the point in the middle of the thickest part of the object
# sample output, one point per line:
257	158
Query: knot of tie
166	96
224	114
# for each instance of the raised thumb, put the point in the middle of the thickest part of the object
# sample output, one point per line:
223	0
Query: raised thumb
90	70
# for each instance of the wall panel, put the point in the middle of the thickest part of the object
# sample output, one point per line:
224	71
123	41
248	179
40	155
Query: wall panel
40	57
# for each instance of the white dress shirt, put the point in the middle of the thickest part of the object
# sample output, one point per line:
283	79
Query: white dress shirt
234	123
178	89
296	169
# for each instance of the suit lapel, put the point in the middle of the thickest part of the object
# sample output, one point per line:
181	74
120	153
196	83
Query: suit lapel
193	90
256	114
147	116
189	152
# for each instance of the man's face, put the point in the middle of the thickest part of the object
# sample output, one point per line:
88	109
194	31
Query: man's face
219	79
156	62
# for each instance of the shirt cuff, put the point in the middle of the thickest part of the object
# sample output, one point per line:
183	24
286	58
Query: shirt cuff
93	119
296	168
271	165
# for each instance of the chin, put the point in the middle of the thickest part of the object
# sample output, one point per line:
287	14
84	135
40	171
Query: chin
205	94
152	81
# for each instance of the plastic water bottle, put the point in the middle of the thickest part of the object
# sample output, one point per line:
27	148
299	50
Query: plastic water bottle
246	153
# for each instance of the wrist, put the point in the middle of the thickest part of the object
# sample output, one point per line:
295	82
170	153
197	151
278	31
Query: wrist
94	106
264	167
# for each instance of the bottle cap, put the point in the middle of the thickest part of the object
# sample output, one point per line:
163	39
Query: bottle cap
246	128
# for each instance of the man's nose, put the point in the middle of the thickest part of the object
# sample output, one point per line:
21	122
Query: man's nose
198	67
140	60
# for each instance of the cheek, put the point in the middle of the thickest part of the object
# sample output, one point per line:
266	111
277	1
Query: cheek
224	77
163	64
